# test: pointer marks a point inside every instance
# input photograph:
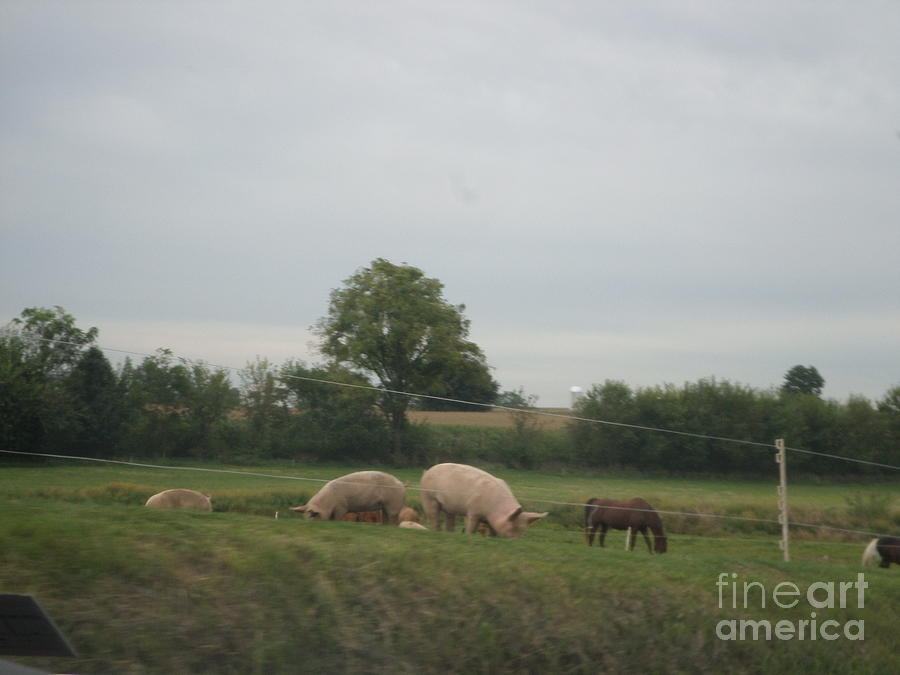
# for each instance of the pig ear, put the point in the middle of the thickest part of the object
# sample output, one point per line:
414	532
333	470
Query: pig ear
515	514
532	517
299	509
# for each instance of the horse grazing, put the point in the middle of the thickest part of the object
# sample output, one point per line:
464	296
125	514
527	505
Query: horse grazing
885	548
635	513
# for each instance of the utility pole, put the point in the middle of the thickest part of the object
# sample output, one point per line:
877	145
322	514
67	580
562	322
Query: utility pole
780	458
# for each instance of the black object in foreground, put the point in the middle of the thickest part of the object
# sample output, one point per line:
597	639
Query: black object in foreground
26	630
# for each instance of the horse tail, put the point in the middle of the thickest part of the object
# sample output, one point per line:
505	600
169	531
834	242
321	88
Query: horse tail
870	556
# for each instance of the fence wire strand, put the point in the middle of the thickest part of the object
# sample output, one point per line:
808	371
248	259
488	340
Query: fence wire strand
688	514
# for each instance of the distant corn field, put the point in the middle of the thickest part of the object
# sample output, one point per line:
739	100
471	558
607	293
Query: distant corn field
491	418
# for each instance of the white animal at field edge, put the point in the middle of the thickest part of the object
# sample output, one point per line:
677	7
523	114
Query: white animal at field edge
179	498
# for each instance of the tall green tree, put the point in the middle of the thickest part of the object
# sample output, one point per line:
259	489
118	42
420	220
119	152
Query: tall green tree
175	404
599	444
51	339
392	323
97	398
803	380
21	396
889	408
38	350
263	397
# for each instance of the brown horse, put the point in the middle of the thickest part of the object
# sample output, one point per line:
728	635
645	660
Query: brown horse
635	513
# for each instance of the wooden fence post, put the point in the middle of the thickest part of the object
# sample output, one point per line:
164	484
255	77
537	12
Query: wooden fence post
780	457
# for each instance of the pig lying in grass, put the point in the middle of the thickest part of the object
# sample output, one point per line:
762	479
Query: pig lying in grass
410	525
463	490
180	498
359	491
408	515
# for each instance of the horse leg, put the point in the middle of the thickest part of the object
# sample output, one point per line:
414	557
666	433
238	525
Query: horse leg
603	528
643	531
450	524
589	533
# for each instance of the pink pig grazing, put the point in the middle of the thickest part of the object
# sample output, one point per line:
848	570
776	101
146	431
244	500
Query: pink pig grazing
360	491
463	490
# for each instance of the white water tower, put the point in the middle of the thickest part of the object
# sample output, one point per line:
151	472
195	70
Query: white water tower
575	393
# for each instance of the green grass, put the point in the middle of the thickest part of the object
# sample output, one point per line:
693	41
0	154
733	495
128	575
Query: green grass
236	591
263	490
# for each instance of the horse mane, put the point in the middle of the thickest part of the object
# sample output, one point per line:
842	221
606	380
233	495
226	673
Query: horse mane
648	516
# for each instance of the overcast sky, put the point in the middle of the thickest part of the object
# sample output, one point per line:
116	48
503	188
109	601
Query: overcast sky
649	192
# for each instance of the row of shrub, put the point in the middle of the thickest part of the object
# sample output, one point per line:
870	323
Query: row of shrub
64	396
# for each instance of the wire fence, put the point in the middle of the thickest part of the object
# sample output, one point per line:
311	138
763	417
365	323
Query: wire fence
531	500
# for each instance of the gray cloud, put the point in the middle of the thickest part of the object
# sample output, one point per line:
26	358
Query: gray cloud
652	194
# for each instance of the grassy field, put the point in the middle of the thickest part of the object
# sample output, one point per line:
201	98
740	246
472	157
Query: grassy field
263	490
237	591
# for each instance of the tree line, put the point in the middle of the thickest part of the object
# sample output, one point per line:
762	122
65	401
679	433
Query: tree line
857	428
59	393
388	330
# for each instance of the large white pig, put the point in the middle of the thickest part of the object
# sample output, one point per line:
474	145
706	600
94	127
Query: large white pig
463	490
179	498
360	491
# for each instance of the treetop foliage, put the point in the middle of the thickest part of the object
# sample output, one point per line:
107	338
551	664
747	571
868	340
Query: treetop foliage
803	380
49	339
392	322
